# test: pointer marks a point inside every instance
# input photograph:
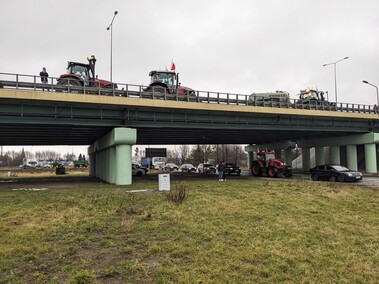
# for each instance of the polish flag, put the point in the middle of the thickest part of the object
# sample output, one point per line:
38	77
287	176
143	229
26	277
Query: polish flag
173	66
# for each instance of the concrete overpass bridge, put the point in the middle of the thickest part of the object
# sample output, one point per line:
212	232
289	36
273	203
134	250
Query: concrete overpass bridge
112	121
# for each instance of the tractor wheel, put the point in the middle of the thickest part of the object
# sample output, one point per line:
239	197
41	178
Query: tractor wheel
314	177
256	170
159	90
69	83
138	174
288	174
272	172
341	178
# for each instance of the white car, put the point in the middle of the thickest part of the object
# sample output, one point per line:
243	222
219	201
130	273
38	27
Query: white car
171	167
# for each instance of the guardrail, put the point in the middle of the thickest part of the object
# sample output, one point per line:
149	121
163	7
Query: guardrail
31	82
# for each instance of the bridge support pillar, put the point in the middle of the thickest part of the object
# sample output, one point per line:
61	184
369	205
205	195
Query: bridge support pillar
319	153
370	158
352	160
113	156
288	156
335	157
306	156
278	153
250	149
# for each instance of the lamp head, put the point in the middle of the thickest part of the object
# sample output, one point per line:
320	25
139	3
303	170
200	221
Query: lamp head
364	81
115	12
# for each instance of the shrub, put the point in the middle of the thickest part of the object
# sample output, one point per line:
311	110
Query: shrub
177	194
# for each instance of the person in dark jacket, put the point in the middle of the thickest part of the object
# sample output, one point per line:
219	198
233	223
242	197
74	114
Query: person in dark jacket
220	169
44	75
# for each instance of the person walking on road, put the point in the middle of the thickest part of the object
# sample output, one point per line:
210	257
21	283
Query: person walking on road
220	169
44	75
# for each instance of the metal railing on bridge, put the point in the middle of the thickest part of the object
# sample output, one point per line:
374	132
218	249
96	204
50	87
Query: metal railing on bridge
32	82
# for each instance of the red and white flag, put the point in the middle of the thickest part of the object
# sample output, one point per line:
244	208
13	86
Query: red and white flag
173	66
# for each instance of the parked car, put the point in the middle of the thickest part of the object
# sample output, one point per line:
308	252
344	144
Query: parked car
334	173
231	168
171	167
138	166
136	171
206	168
188	168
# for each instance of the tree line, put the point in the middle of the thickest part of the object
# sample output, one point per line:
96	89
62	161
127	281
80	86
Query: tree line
12	158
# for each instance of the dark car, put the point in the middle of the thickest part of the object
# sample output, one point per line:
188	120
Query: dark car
138	166
171	167
188	168
231	168
334	173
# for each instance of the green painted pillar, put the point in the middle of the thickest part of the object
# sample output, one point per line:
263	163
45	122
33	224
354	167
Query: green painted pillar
92	165
249	159
335	155
98	164
370	158
352	160
123	164
306	157
112	163
101	166
107	165
319	153
288	157
278	153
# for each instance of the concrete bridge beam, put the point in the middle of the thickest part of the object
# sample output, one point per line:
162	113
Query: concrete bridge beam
113	156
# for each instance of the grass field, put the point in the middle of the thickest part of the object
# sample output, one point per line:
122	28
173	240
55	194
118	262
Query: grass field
242	231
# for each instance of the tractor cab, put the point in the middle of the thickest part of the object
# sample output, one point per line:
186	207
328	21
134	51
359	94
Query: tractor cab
265	156
82	71
309	95
164	78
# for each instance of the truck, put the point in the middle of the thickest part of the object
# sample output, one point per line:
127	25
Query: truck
81	164
167	82
154	162
274	98
29	164
82	74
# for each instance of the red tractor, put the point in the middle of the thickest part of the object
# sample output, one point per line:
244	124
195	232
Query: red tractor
167	82
81	74
268	164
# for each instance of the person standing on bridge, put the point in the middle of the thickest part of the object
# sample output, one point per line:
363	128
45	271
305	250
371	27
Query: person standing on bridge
44	75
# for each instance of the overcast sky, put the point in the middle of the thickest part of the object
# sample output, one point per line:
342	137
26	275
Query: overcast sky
239	46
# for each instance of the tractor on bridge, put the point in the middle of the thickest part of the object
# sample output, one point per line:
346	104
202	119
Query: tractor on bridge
267	163
312	98
167	82
81	74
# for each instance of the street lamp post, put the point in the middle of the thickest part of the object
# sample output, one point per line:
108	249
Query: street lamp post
111	28
335	74
377	94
